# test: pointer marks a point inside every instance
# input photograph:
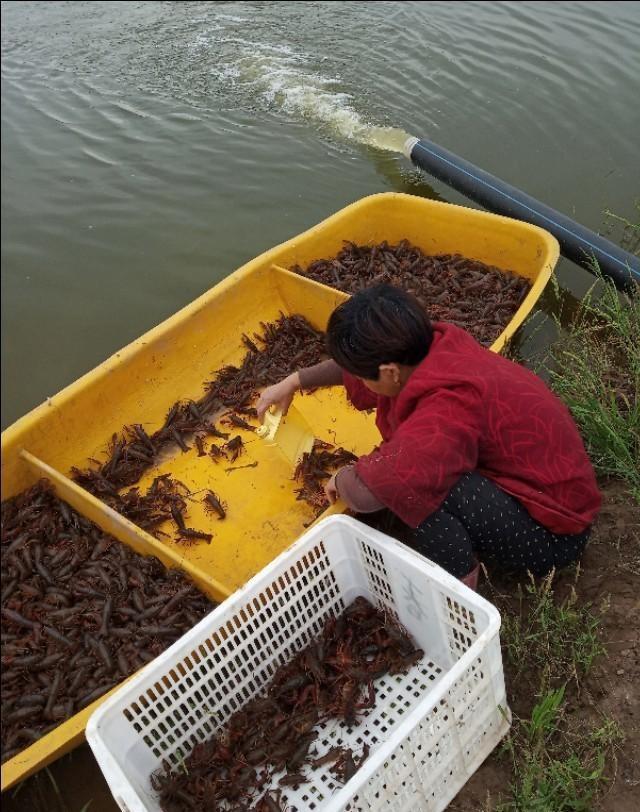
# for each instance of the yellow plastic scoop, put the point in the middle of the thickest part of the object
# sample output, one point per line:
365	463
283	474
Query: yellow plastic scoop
290	433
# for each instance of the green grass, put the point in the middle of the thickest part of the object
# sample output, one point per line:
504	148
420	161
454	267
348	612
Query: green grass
595	369
555	770
550	639
550	644
558	754
622	231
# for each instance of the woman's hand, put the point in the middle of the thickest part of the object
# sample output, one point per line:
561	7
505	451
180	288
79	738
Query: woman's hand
330	490
280	395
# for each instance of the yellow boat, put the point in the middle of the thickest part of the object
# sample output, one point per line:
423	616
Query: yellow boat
173	360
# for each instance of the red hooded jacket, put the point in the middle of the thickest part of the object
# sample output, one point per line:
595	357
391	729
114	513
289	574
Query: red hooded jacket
465	408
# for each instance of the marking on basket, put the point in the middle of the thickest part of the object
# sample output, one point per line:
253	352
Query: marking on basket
413	604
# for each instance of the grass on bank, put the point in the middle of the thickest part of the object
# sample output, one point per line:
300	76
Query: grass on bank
550	644
556	639
595	369
558	758
556	769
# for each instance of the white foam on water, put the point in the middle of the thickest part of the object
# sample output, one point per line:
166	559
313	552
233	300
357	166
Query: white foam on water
284	80
232	18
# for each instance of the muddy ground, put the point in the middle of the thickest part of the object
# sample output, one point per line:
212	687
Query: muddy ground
610	574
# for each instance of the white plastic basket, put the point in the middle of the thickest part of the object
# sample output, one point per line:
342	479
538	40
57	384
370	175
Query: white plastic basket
429	731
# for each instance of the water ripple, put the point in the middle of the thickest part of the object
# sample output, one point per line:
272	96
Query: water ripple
155	150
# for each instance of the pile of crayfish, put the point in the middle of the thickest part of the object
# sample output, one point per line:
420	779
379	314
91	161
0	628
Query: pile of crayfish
80	613
478	297
315	469
283	347
332	678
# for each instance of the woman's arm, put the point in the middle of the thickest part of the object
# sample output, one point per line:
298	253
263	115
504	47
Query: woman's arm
326	373
352	490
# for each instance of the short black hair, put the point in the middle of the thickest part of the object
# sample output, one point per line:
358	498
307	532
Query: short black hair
378	325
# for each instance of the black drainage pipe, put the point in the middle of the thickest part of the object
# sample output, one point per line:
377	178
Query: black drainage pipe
577	243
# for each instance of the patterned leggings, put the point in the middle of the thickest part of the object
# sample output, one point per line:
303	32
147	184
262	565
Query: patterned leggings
478	520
